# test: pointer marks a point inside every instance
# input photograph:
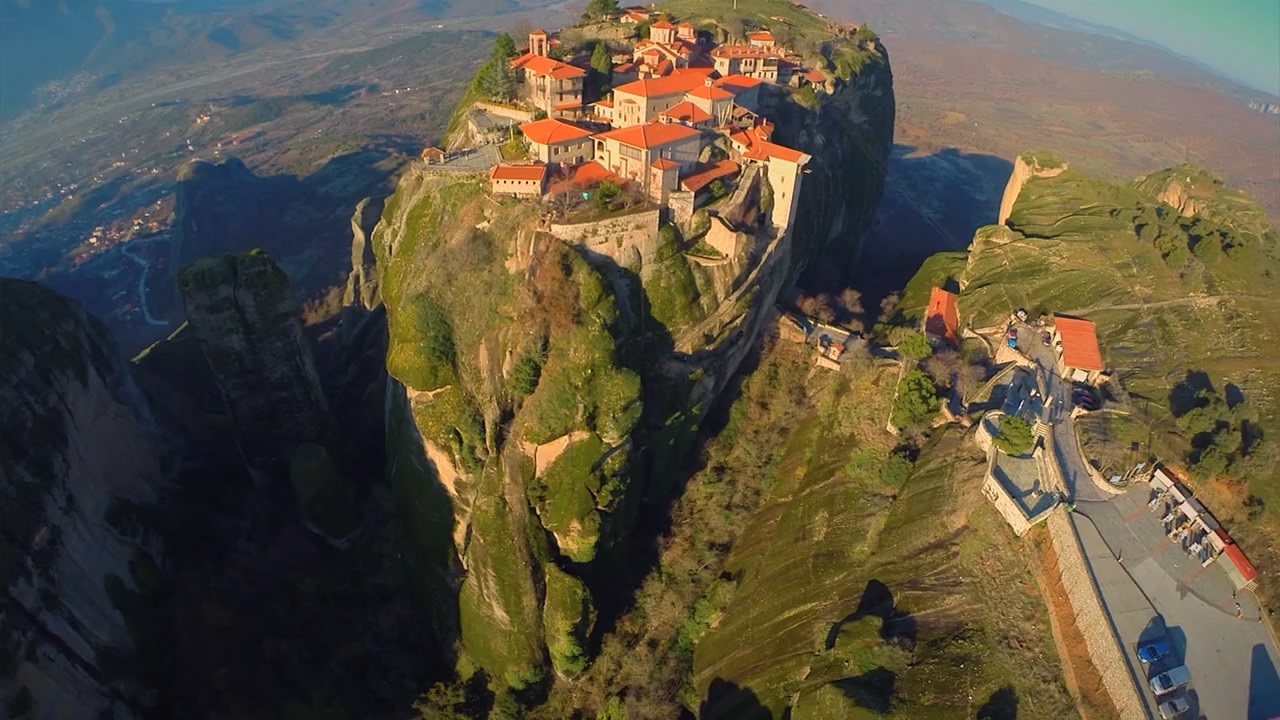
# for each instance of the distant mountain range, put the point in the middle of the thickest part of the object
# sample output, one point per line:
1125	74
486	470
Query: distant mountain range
1021	27
44	44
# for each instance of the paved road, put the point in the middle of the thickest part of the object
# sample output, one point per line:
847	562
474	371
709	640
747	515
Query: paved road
1151	588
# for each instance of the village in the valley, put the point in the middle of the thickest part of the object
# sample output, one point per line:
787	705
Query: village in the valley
676	123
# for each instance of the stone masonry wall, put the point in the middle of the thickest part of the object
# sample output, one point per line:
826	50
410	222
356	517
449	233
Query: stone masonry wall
1104	649
615	237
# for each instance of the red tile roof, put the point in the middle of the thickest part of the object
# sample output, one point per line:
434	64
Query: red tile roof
677	83
663	25
1246	568
815	76
942	318
703	175
687	112
541	65
518	172
586	175
665	164
539	31
1079	343
650	135
741	82
761	35
710	93
550	131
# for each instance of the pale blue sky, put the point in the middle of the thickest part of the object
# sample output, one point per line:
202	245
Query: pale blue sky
1238	38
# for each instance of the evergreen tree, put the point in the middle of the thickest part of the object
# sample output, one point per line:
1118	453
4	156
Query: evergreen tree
600	9
504	47
601	68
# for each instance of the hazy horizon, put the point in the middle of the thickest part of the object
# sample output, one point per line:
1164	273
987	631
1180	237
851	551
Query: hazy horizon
1238	38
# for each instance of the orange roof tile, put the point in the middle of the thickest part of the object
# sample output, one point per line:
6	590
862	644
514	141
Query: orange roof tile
815	76
665	164
1246	568
942	318
760	35
586	175
710	93
542	65
663	25
1079	342
677	83
538	31
518	172
650	135
550	131
704	175
687	112
769	150
737	83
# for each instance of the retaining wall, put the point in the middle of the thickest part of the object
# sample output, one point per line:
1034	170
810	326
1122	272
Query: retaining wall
614	236
1104	649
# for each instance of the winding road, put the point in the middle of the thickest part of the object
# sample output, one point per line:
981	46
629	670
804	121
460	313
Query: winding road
142	285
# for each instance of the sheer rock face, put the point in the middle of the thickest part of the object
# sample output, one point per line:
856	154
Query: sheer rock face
362	282
1025	167
240	308
75	434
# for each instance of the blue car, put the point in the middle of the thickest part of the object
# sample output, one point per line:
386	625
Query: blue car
1152	652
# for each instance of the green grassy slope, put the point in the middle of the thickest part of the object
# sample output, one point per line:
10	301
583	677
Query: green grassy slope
854	598
1170	293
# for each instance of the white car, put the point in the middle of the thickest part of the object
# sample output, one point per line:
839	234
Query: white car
1170	680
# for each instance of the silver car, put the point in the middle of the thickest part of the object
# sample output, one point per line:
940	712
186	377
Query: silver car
1173	707
1170	680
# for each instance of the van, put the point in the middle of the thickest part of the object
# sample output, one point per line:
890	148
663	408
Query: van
1170	680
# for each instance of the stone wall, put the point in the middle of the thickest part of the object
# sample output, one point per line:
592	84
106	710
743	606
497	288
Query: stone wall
1104	649
617	237
503	111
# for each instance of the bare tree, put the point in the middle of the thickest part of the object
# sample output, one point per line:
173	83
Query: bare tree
889	306
818	306
851	301
942	365
565	200
520	30
968	378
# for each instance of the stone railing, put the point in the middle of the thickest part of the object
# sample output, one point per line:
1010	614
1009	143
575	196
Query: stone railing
1100	638
504	111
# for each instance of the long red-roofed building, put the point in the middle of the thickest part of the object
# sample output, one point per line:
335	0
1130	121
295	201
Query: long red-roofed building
942	319
1076	341
518	180
557	141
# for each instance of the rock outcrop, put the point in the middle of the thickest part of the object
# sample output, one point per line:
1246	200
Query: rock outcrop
362	282
76	437
1026	166
241	310
605	341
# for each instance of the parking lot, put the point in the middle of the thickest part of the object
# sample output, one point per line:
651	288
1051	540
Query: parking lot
1152	589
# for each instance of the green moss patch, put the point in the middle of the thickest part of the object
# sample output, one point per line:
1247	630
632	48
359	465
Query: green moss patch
568	615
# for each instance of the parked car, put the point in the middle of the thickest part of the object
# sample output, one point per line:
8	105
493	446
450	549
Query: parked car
1153	651
1170	680
1013	333
1084	400
1174	707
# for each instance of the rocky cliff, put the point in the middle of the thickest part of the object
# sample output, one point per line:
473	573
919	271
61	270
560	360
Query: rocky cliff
547	379
242	312
77	436
1026	166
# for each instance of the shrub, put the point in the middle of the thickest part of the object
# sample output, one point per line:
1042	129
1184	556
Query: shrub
1015	436
915	345
422	351
717	189
917	400
895	471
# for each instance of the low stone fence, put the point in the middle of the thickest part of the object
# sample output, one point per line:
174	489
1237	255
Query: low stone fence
1100	639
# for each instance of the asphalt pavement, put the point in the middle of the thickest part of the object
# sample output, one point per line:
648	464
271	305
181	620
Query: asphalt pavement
1151	589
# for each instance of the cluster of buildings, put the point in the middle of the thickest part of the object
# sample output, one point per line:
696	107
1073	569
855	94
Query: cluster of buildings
674	95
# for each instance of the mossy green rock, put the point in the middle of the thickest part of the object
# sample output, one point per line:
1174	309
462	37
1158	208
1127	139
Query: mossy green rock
568	616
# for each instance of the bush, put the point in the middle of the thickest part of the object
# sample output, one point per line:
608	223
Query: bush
895	471
917	400
605	193
1015	436
915	345
422	351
